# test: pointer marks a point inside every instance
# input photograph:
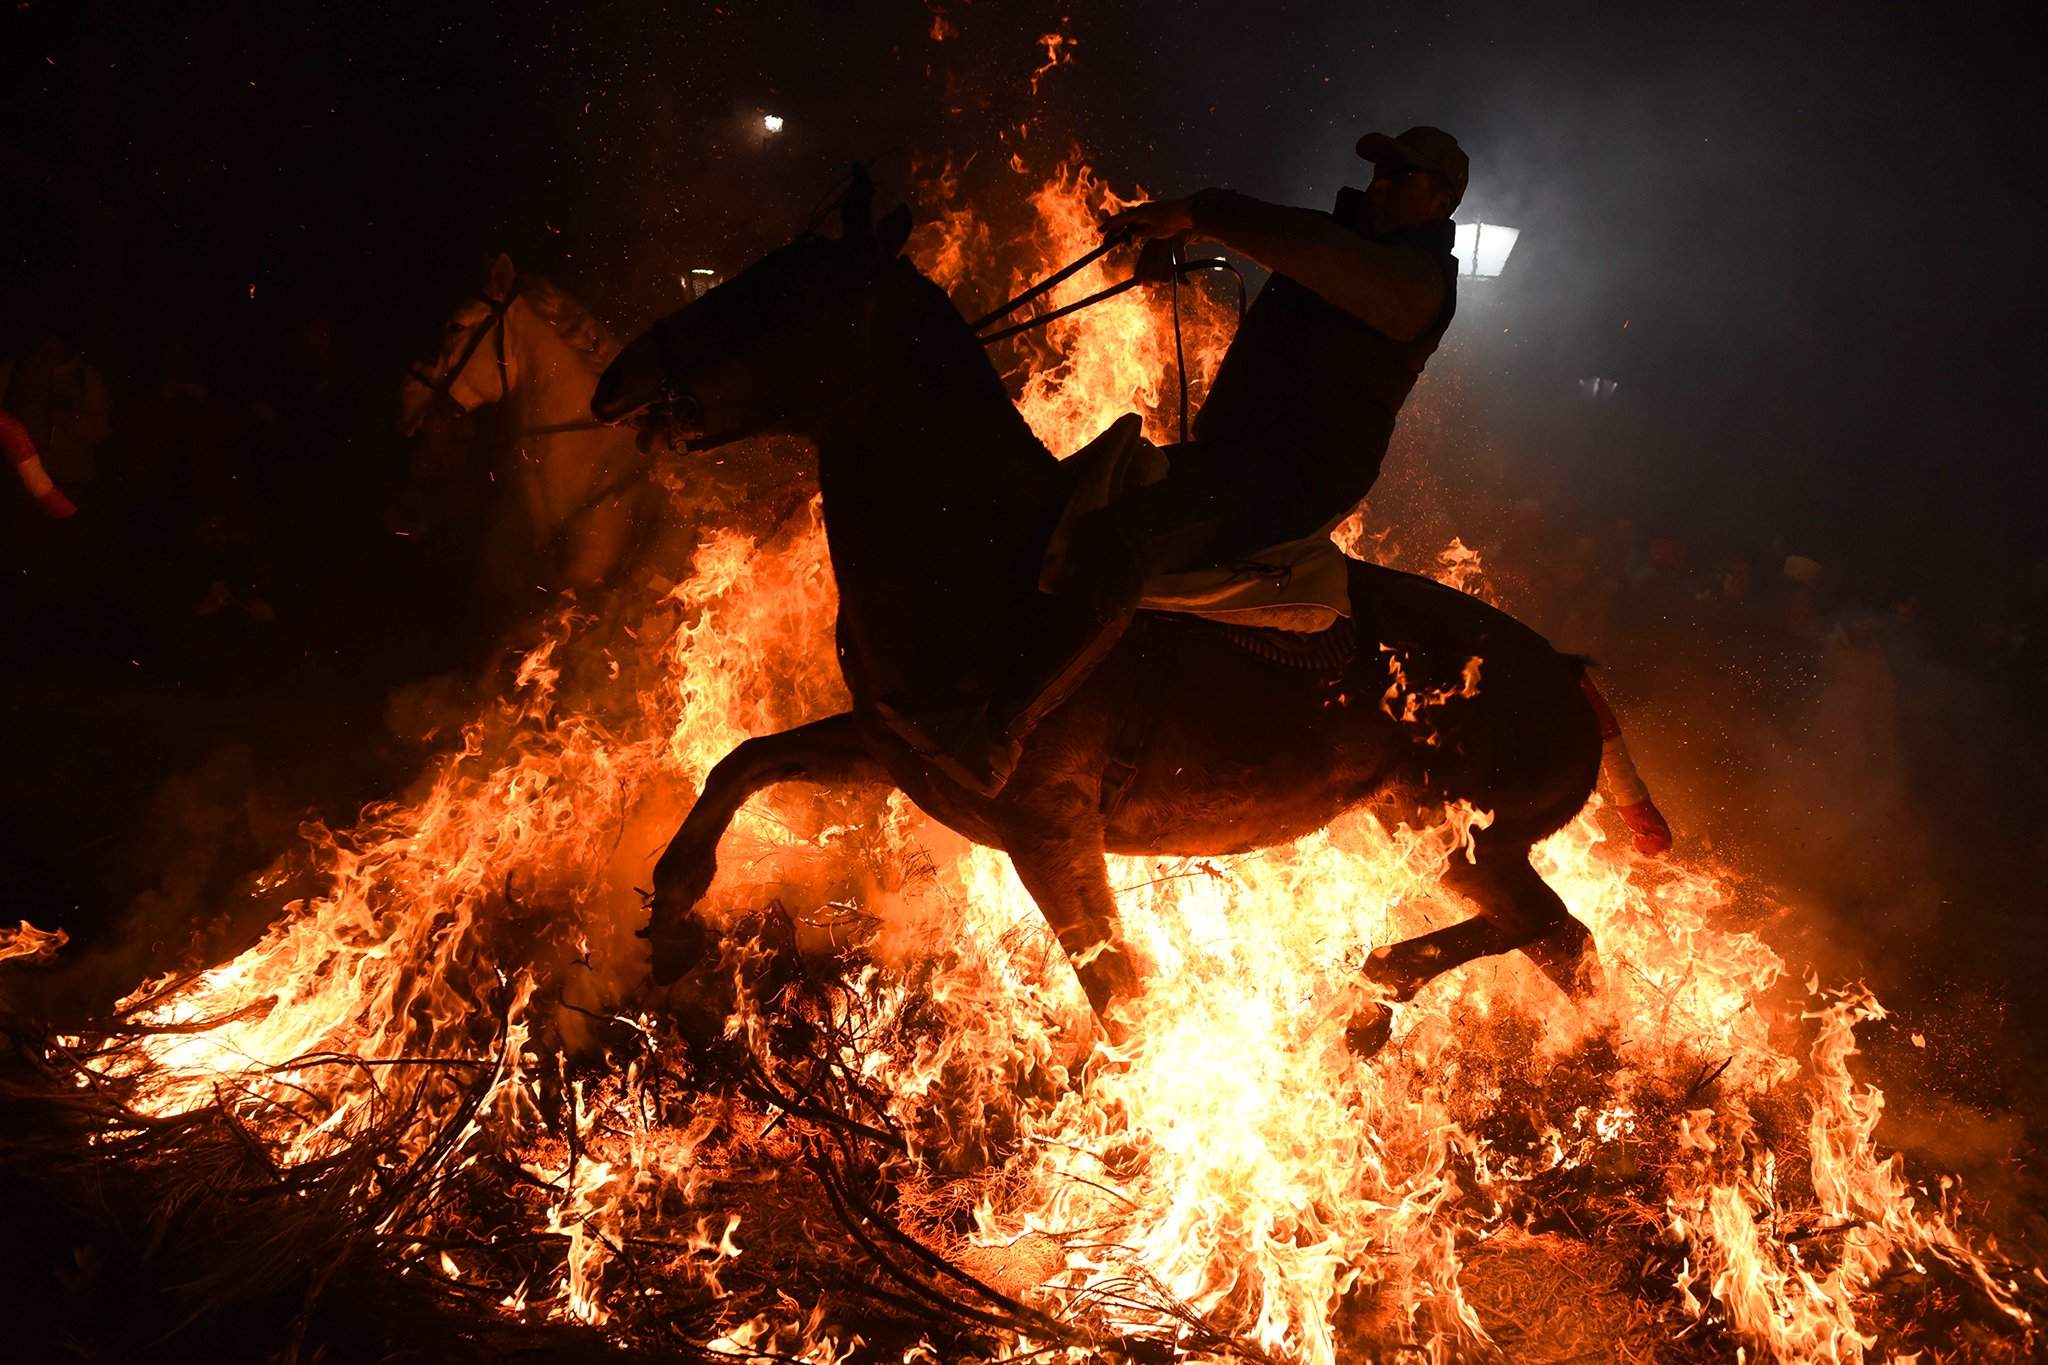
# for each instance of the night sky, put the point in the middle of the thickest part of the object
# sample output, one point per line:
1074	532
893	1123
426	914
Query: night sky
1813	218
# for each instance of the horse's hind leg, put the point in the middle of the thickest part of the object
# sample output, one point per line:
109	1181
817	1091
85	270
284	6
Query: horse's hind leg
829	750
1517	910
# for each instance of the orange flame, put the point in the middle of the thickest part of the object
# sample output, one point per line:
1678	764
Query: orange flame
1232	1174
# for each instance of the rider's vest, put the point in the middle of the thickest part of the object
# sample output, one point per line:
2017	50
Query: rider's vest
1307	383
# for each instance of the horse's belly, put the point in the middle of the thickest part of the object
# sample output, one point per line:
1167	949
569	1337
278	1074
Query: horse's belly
1192	822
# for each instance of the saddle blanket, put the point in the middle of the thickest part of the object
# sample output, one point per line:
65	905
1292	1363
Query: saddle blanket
1303	585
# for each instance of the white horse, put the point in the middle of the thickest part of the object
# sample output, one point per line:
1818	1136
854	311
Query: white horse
584	488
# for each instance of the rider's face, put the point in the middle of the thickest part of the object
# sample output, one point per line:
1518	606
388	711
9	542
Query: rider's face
1402	197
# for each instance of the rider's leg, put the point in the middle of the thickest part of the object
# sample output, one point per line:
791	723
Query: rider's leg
1062	638
1216	503
1059	640
1215	500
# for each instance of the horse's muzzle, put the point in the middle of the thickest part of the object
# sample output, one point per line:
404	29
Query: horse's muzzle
636	381
637	389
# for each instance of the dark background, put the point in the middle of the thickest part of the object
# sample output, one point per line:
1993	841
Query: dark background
1816	219
1801	238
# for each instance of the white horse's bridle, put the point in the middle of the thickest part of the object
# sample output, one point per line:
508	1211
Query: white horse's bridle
441	388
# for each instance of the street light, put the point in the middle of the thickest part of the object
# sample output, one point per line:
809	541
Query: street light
1482	249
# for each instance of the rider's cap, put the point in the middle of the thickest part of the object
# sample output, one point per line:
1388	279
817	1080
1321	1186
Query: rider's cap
1426	149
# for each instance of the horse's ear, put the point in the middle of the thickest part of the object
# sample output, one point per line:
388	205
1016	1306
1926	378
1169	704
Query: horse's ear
498	276
857	209
890	234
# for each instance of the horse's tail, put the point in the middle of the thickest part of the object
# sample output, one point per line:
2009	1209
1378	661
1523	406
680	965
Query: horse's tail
1618	776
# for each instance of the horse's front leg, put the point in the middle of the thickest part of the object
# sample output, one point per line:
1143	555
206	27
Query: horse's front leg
1054	839
827	751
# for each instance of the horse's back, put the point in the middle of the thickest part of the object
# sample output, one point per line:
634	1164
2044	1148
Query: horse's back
1502	703
1402	610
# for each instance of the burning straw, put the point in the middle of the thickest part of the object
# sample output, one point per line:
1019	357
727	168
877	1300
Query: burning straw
876	1123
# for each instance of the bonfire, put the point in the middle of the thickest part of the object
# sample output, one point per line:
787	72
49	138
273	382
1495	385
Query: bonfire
878	1123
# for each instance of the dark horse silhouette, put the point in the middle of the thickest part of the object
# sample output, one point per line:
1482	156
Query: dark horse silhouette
938	501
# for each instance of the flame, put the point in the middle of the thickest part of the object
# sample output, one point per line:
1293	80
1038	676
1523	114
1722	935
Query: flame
1059	51
1079	373
27	941
466	986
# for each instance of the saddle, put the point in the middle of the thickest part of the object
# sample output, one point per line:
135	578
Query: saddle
1302	586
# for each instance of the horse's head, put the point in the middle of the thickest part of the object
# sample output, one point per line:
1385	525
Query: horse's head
474	367
777	348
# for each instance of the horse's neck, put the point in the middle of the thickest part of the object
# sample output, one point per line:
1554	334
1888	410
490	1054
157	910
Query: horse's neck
551	380
936	495
559	472
938	448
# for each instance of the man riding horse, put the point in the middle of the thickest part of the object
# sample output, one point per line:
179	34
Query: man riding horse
1290	438
923	460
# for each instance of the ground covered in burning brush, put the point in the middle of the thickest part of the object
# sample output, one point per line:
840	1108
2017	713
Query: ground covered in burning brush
436	1110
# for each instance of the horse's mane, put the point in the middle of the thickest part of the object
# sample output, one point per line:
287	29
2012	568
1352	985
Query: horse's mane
570	321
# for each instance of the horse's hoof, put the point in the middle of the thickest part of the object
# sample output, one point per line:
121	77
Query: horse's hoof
1388	967
1369	1031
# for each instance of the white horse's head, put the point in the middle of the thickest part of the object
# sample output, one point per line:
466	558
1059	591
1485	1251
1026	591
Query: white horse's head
475	365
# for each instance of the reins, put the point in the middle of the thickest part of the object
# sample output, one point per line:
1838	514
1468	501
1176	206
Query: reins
1171	270
1057	277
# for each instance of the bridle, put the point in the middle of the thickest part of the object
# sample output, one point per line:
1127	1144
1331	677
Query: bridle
1154	267
441	390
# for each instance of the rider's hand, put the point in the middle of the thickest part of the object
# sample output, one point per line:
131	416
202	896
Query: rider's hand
1159	218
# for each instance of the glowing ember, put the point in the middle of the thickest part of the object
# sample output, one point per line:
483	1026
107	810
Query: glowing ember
466	993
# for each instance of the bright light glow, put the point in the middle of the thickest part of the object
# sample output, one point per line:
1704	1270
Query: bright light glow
772	122
1482	248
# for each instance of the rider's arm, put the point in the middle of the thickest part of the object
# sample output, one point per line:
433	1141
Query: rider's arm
1395	289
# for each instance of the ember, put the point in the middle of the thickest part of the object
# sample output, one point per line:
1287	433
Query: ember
875	1125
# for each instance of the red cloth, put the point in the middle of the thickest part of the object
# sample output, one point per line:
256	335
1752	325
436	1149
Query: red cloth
28	467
